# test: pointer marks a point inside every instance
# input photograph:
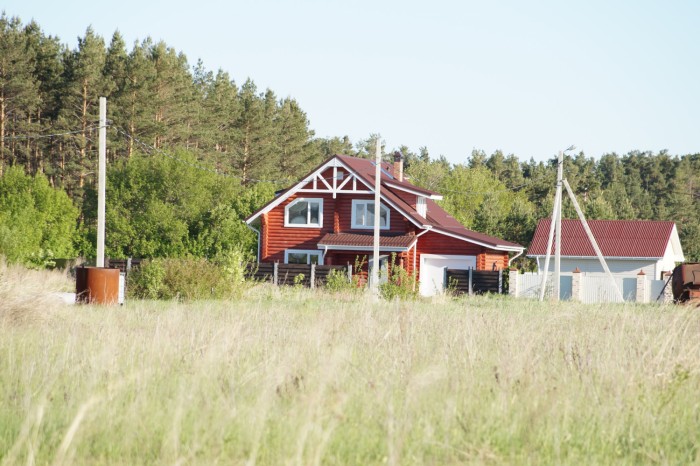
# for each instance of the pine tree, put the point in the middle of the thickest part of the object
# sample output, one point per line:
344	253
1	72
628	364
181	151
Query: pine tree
83	85
48	69
19	93
115	78
173	96
253	158
293	140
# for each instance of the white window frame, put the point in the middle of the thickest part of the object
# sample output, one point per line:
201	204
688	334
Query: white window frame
308	213
309	252
355	225
421	206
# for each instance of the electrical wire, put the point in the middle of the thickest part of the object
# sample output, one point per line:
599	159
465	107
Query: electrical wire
46	136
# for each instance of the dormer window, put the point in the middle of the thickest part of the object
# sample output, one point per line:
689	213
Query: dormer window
421	206
363	215
304	213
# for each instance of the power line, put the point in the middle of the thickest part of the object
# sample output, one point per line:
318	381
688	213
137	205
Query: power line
46	136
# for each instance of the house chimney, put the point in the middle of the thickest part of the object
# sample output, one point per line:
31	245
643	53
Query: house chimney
398	165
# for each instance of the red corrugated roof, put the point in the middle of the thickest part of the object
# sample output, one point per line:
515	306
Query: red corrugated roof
616	238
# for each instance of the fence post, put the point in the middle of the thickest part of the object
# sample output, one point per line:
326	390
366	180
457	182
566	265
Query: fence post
576	285
274	273
128	264
312	278
445	285
668	291
500	281
641	296
471	282
349	272
513	285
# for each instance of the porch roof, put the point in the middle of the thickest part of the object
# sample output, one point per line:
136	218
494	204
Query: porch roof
365	242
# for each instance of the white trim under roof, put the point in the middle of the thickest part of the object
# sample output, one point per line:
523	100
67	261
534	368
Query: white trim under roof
435	197
334	162
470	240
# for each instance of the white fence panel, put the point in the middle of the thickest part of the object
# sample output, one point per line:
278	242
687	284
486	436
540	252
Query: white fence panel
529	285
656	288
600	289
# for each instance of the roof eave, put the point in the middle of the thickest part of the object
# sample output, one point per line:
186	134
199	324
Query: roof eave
496	246
596	257
340	247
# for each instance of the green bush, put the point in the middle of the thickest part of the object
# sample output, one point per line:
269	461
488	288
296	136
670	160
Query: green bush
337	281
400	284
37	222
185	279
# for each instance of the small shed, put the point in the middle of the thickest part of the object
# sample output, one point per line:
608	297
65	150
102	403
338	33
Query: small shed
629	246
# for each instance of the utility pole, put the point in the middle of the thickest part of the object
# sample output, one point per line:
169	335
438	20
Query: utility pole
557	250
377	217
101	181
550	239
555	227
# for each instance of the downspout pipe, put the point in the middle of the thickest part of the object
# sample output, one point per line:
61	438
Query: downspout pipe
258	232
515	257
415	245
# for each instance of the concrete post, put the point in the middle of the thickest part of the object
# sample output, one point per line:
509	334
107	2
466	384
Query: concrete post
312	278
668	291
513	289
576	285
471	283
274	273
642	295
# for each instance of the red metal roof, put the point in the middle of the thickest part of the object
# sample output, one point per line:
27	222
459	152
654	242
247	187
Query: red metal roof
616	238
366	240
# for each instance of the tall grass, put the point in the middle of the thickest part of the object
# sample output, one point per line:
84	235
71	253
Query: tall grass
293	377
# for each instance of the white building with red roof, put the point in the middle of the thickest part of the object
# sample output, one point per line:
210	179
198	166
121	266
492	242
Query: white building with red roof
328	218
629	246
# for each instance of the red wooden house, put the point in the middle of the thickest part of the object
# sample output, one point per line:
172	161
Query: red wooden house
328	218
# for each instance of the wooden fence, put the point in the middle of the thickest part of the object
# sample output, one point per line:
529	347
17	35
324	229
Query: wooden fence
309	276
474	281
124	265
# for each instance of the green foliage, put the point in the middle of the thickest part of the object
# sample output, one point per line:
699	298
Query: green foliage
162	207
187	279
37	222
337	281
399	284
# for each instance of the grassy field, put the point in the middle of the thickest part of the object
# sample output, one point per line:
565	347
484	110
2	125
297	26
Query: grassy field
291	377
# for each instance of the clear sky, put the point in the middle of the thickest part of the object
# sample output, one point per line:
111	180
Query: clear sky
526	77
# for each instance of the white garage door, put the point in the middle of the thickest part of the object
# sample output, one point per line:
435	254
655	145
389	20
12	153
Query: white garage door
432	270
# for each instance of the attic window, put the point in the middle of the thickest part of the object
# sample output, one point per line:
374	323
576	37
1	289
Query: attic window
421	206
304	213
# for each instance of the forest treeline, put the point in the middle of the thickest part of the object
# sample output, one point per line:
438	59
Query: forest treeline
191	152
